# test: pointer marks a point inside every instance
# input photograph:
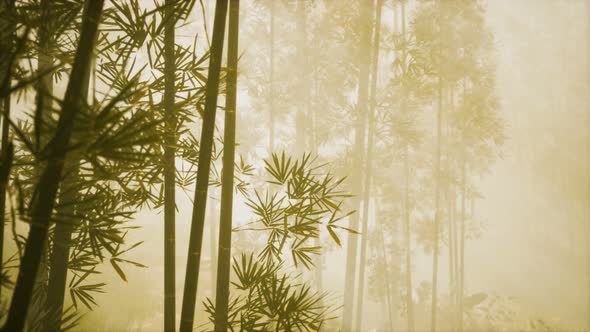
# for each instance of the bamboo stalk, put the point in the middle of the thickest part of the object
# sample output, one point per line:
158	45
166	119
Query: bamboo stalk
366	10
48	184
271	102
9	8
227	187
169	171
369	158
202	186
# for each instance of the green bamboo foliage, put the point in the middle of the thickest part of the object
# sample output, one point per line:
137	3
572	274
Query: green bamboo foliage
302	197
84	234
200	200
407	113
48	184
227	188
270	300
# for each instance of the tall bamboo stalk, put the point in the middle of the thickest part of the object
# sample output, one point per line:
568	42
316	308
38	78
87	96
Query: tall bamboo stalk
369	166
455	285
62	238
62	235
44	96
388	298
169	170
366	12
460	256
437	183
9	8
227	186
5	167
48	184
455	257
449	198
206	146
436	208
451	240
314	146
271	97
300	116
212	214
462	243
406	209
408	240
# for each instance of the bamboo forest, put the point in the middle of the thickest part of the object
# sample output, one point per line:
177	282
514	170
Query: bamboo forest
295	165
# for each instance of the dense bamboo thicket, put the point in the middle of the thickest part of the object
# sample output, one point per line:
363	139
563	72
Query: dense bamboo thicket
302	165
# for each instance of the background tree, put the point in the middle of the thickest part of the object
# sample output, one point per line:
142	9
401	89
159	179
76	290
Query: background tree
366	22
369	162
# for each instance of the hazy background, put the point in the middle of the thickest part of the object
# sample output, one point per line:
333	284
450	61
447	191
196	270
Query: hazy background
536	199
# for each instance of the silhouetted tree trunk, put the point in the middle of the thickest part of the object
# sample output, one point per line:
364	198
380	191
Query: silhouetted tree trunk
369	166
212	214
366	13
169	170
206	145
45	83
227	186
46	190
42	116
8	7
5	166
62	235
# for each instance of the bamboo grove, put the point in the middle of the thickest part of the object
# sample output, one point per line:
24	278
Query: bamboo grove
309	165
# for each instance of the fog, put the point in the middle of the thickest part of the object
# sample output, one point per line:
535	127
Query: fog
479	125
